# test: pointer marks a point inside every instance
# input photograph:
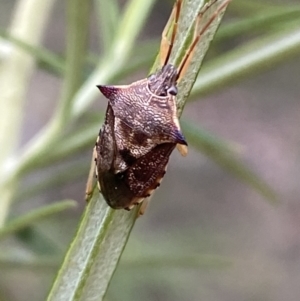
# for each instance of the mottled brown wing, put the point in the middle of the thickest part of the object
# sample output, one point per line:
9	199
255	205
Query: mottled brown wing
131	143
115	190
116	193
105	144
146	173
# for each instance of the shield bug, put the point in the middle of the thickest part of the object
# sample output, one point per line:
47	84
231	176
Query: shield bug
141	127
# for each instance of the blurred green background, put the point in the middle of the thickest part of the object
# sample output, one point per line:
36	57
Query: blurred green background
206	235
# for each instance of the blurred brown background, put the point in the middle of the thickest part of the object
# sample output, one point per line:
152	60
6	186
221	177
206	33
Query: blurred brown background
200	208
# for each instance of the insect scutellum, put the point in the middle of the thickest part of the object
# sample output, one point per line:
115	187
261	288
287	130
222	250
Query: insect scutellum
164	81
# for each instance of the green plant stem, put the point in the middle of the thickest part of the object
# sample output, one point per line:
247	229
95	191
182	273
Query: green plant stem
192	261
95	251
15	73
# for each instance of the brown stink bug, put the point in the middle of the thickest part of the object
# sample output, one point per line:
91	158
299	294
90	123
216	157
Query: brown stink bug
141	127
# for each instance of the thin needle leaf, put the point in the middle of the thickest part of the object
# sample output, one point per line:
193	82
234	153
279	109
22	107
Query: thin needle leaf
257	56
42	55
108	17
224	156
195	261
35	216
262	21
37	264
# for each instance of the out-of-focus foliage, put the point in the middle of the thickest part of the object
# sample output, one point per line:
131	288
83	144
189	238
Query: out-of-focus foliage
255	37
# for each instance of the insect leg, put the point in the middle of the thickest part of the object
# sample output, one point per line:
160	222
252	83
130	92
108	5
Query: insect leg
90	181
144	206
183	149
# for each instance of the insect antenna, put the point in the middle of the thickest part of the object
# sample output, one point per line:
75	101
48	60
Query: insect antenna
190	51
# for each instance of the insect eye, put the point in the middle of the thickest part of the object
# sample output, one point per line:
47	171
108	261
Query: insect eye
173	90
